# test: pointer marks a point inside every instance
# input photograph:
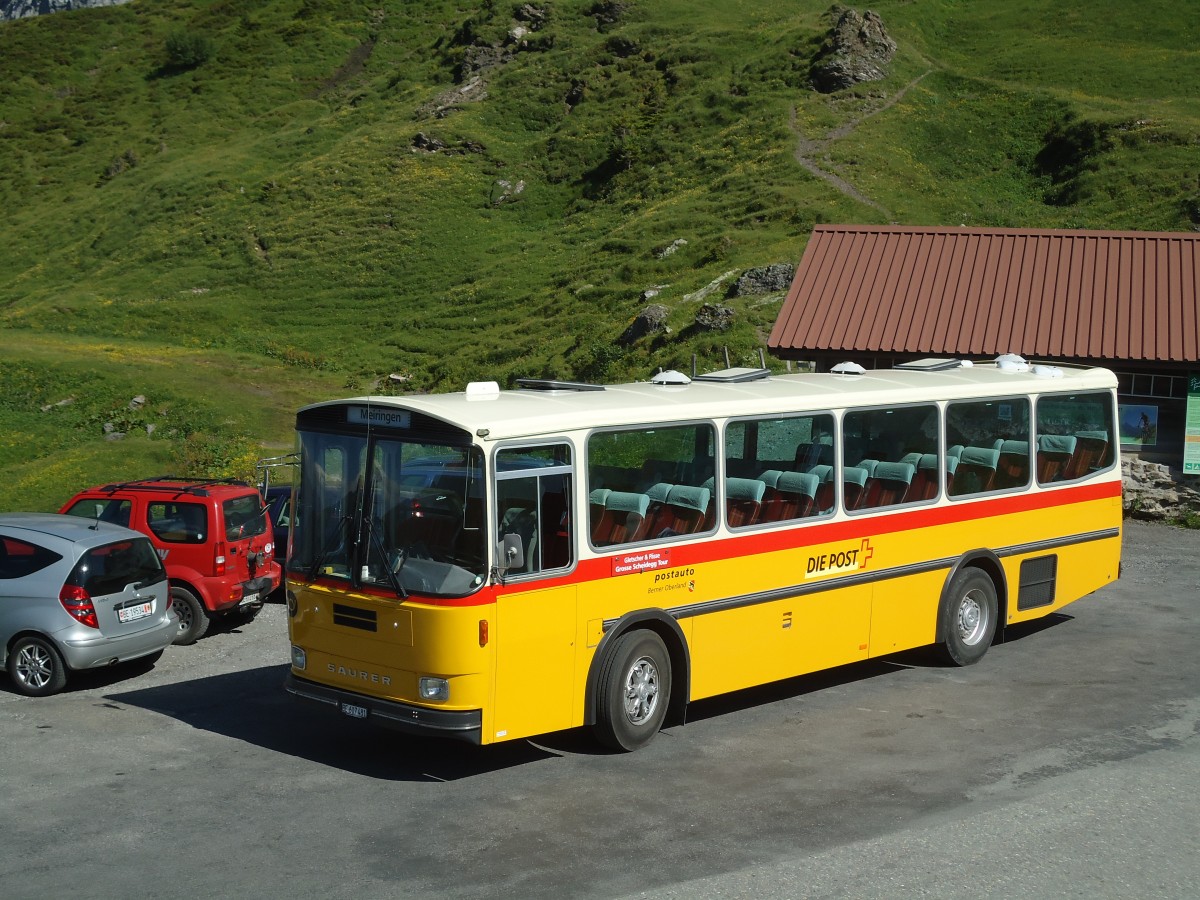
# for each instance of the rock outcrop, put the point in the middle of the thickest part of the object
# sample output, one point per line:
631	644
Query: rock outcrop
857	49
651	320
24	9
764	280
1151	492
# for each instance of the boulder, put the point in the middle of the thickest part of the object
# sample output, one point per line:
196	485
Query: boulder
857	49
714	317
607	12
651	320
764	280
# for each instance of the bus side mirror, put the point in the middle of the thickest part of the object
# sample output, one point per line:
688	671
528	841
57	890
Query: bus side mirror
512	553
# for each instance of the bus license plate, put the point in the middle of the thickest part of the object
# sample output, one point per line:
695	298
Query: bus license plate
132	613
354	711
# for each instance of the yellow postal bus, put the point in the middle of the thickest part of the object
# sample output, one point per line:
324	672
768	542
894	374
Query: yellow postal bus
496	564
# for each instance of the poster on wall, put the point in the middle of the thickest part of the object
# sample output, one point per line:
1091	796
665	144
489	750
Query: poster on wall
1191	427
1139	424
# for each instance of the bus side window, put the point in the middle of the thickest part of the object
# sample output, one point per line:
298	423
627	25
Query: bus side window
533	489
897	440
779	469
990	446
672	492
1074	436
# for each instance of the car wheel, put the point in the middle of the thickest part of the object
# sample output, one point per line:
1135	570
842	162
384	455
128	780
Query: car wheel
36	667
635	689
192	616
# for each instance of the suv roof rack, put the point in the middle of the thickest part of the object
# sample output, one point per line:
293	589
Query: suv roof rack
196	486
549	384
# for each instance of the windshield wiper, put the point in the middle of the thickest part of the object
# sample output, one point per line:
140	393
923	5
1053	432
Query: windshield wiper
326	549
393	572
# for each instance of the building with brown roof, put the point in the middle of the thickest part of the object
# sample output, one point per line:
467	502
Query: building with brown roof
1126	300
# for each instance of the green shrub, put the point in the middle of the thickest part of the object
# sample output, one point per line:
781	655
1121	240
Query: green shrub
186	50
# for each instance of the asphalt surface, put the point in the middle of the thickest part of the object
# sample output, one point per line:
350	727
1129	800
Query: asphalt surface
1065	764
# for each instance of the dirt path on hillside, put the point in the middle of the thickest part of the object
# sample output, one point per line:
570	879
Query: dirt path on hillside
808	149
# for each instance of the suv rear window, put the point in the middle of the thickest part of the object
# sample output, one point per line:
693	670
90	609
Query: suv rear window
20	558
111	568
116	511
177	522
244	517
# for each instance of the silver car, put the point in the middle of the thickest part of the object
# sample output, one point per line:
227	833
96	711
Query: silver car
77	594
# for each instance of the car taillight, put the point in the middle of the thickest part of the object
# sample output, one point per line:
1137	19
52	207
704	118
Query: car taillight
78	603
219	559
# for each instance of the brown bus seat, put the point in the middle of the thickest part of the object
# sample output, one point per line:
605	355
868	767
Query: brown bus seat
624	518
1054	455
743	501
976	470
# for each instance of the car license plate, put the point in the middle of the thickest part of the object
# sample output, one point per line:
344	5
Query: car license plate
354	711
132	613
249	600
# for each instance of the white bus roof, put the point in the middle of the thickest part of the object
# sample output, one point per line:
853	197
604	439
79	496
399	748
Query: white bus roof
507	414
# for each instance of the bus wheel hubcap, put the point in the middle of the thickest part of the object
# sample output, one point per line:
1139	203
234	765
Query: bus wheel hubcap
971	619
641	691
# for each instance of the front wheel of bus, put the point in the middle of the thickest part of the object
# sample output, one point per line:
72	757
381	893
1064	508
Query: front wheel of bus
969	618
635	690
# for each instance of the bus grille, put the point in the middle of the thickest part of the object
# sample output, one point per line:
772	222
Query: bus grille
353	617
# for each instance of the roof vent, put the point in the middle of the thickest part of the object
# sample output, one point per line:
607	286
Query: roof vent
848	368
549	384
483	390
735	375
1011	362
929	364
1042	371
670	376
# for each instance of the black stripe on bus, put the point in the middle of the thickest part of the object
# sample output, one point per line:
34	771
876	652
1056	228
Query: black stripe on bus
801	590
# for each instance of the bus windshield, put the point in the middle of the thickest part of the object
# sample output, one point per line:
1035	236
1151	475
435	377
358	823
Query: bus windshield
389	513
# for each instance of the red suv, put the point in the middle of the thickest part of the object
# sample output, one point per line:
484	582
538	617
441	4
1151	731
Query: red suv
211	535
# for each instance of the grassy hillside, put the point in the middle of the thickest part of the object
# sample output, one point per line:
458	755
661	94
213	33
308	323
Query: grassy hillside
220	205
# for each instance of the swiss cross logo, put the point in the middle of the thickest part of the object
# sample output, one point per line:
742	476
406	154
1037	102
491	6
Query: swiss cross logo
837	559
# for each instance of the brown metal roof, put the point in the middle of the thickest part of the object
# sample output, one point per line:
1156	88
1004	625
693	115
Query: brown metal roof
1127	295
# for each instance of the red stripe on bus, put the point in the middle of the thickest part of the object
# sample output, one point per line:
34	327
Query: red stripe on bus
805	534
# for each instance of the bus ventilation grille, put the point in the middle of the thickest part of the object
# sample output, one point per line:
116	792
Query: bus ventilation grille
353	617
1038	579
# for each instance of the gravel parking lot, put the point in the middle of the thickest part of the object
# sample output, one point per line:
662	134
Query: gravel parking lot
1064	764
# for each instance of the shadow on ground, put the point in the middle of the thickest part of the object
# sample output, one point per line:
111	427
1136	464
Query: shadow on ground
251	706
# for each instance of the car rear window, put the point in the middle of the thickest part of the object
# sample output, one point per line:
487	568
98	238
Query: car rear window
20	558
178	522
113	567
243	517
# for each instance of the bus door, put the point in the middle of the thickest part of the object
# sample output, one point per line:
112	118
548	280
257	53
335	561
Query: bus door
536	616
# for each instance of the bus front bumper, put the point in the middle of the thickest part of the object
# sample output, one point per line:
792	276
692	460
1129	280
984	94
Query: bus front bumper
460	724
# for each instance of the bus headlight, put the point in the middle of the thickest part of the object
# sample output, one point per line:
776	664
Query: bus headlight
433	688
299	658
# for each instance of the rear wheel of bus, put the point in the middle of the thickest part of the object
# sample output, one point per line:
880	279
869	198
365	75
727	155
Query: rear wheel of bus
969	613
634	691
